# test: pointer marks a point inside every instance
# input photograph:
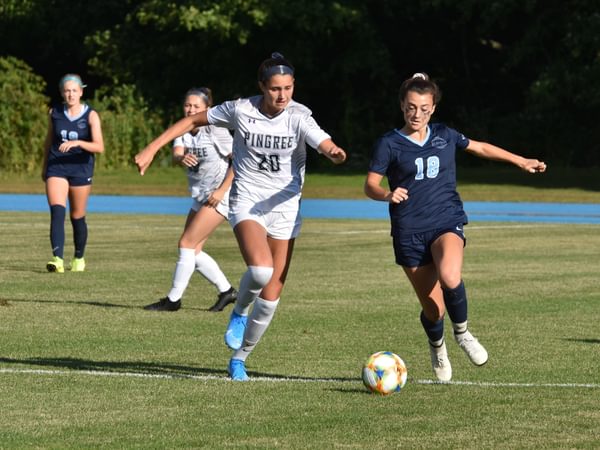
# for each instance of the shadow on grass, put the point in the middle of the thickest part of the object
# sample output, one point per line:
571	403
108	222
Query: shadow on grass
583	341
6	302
138	368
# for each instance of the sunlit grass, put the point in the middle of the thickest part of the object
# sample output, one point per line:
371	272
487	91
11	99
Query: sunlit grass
534	303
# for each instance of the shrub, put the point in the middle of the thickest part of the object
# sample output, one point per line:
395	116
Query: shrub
23	116
128	125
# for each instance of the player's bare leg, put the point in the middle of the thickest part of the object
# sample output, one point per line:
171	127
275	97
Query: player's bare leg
447	252
424	280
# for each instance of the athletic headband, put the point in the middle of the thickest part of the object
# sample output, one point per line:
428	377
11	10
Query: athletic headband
281	69
200	92
276	70
71	77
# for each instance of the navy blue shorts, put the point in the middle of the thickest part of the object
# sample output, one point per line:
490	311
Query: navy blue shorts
73	181
414	250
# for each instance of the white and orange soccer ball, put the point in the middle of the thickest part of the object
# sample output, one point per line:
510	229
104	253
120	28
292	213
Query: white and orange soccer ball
384	373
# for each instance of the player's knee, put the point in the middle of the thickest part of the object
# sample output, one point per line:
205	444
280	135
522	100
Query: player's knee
260	275
450	278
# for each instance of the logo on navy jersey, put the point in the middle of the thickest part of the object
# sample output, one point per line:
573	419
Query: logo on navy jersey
82	124
439	142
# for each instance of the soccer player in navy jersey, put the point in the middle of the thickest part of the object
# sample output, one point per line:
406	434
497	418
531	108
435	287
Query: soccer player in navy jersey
271	132
74	138
427	215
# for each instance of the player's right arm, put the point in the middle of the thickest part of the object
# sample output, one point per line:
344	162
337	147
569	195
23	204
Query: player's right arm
47	144
144	158
375	191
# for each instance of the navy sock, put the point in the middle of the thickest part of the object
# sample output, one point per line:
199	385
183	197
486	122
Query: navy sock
80	235
57	229
434	330
456	303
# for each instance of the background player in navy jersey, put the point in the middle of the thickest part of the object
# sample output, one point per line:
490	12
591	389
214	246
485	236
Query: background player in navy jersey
427	215
206	153
269	156
74	137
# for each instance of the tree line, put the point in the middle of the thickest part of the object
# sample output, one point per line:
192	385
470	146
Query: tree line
523	74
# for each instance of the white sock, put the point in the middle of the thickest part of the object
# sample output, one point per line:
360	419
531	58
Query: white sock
258	322
210	270
437	344
459	328
252	282
184	270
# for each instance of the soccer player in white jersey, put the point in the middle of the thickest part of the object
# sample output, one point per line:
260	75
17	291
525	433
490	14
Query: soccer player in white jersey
206	153
269	154
427	213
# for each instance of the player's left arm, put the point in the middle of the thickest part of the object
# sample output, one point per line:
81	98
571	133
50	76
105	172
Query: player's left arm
96	145
488	151
336	154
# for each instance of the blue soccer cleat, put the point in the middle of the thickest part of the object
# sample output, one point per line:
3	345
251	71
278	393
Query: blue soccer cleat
235	331
237	370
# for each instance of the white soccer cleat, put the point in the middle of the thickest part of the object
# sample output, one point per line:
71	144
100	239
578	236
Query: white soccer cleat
440	362
471	346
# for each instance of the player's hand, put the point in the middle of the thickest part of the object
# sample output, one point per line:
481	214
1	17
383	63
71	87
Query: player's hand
337	155
189	160
534	166
215	198
398	195
67	145
143	160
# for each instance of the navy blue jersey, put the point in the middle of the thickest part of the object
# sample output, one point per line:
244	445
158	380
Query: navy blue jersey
76	162
428	172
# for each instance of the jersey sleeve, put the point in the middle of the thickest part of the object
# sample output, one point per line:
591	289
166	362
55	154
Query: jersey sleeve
178	142
312	132
222	115
380	158
462	142
222	140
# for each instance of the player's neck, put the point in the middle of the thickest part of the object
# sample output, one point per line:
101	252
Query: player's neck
416	135
74	110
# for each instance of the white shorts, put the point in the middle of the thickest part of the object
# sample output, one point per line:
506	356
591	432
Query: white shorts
279	224
222	208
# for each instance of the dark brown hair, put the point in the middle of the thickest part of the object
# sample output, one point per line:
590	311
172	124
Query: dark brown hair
421	84
275	65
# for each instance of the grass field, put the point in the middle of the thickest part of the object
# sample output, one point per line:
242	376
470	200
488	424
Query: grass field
82	365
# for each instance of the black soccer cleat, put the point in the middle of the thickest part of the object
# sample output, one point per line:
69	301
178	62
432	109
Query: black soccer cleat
164	304
224	299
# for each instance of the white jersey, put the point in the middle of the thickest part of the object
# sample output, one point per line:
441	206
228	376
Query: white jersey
269	154
212	147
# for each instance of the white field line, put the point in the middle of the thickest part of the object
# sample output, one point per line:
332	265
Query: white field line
175	376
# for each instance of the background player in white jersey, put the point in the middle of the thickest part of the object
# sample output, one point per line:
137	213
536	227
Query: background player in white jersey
74	138
206	153
269	155
427	213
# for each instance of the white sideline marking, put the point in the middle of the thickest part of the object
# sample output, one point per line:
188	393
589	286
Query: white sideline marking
101	373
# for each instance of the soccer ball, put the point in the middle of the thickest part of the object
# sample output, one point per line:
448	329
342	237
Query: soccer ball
384	373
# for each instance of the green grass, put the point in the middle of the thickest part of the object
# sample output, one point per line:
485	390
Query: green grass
488	183
534	304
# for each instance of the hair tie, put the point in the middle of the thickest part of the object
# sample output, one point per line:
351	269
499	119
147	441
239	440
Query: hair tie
420	75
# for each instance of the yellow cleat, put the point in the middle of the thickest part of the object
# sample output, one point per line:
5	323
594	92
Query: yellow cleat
56	265
77	265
